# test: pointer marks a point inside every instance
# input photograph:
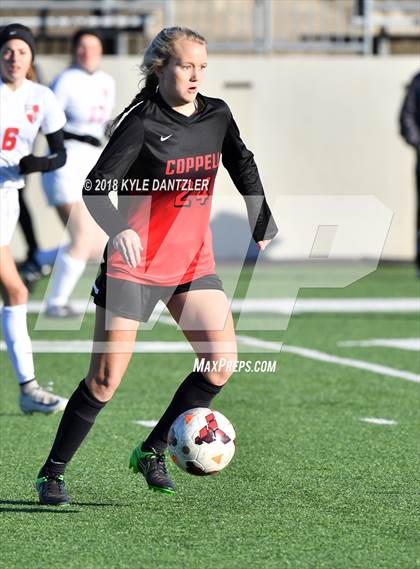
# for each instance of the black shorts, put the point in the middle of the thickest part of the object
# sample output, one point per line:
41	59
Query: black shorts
137	301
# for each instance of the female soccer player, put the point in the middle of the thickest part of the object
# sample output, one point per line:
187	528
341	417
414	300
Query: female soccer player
25	108
163	157
87	95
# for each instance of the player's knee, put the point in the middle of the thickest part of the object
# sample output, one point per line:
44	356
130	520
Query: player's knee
217	378
103	385
221	370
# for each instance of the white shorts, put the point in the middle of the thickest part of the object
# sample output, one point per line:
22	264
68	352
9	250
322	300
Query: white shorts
9	214
64	186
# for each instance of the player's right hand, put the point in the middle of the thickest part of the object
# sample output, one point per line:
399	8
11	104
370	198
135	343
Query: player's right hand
128	244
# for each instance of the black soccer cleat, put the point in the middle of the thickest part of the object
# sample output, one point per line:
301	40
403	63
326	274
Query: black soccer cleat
52	490
153	467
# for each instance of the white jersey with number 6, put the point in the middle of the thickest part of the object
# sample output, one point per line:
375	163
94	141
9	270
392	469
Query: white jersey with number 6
87	100
23	112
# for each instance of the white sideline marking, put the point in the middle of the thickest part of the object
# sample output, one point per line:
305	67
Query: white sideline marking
325	305
284	305
37	306
375	421
323	357
151	423
412	344
257	343
360	364
85	346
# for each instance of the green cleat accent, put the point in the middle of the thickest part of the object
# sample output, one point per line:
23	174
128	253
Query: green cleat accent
133	464
152	466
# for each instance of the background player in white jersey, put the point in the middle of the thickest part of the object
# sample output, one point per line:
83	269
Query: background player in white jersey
87	96
25	108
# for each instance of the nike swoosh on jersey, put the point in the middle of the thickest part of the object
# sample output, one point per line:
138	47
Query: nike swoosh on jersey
163	138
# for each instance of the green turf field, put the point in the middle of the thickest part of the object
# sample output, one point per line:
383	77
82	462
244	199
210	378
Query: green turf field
311	485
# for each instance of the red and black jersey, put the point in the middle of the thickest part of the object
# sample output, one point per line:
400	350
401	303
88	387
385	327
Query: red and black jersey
163	165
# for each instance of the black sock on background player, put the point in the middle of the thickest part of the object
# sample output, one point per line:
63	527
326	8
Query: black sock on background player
194	391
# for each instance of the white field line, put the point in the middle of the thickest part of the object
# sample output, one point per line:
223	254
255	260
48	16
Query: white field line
85	347
80	346
375	421
412	344
286	305
257	343
328	358
378	421
360	364
326	305
146	423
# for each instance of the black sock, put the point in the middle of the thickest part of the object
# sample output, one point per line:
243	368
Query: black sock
194	391
78	418
53	468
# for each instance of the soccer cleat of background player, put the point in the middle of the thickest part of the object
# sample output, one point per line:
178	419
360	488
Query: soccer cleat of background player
35	399
61	311
25	109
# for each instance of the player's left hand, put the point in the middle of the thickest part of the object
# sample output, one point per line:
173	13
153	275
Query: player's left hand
263	244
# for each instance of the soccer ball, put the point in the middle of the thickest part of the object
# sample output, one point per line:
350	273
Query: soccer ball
201	441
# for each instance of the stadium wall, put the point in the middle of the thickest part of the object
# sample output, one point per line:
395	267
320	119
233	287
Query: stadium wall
317	125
